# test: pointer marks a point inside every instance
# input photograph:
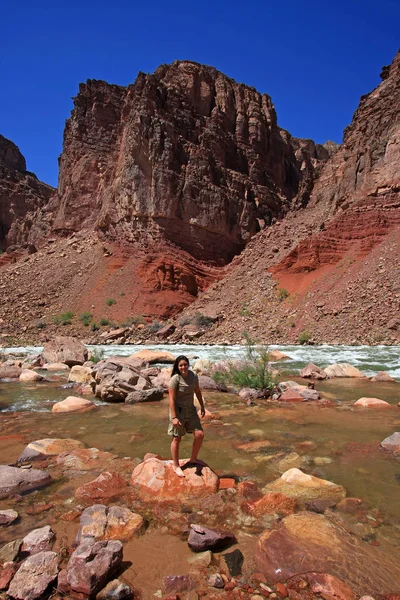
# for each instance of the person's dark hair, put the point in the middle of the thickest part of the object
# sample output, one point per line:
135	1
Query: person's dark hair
175	369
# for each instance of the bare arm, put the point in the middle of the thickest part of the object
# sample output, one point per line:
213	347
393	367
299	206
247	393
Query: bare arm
172	406
199	397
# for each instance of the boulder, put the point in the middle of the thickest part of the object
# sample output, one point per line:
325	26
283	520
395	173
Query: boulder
371	403
154	356
56	367
165	331
73	404
9	552
207	383
162	379
302	487
276	355
114	334
115	590
40	449
84	459
34	576
64	349
311	371
8	516
292	389
10	372
38	540
155	479
343	370
392	443
107	485
382	376
91	566
109	523
29	376
18	481
308	542
152	395
7	572
80	374
291	396
202	366
273	502
178	584
202	538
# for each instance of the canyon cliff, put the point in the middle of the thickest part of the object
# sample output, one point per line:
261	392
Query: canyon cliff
182	190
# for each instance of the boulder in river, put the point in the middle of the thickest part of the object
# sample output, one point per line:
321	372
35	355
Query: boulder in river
91	566
155	356
17	481
107	485
372	403
152	395
343	370
73	404
296	484
10	372
34	576
64	349
382	376
392	443
38	540
156	480
312	371
29	376
8	516
109	523
80	374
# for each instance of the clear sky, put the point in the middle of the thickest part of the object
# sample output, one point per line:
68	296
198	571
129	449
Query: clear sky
314	58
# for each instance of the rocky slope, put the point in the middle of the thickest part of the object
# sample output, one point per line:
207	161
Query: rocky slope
162	183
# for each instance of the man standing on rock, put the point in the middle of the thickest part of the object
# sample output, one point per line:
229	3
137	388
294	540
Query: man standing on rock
183	417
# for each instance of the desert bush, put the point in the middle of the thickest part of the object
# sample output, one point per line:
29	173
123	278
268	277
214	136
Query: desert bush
64	319
244	312
104	322
252	370
111	301
86	317
304	337
282	294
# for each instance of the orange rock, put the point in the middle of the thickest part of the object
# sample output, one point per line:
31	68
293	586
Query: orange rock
155	479
73	404
372	403
106	485
226	483
274	502
281	590
291	396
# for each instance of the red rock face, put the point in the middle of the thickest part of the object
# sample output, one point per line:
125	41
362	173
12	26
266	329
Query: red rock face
22	196
360	183
187	155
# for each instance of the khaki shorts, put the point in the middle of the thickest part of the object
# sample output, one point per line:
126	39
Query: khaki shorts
190	423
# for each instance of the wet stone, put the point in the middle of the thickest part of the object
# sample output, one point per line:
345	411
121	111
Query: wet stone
115	590
38	540
9	552
319	506
18	481
8	516
203	538
216	580
178	583
234	561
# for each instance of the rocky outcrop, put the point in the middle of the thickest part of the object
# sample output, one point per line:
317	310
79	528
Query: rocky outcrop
185	154
22	198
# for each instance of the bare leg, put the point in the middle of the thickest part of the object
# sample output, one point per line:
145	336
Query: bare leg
197	442
175	456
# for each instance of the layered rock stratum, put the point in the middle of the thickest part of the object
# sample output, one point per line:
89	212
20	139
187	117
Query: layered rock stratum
182	190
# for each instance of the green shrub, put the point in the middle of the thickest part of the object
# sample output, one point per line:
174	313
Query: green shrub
304	337
244	312
111	301
104	322
252	370
282	294
94	326
86	317
135	320
96	355
64	319
41	324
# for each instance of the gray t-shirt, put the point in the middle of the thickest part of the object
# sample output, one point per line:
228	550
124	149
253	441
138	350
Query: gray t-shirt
185	388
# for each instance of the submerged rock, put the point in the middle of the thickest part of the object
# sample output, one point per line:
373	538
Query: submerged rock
84	459
382	376
113	523
106	485
308	542
296	484
8	516
40	449
202	538
312	371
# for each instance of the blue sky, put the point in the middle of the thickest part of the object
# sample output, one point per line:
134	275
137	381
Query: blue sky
315	59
